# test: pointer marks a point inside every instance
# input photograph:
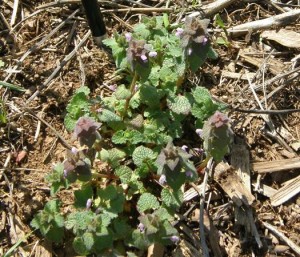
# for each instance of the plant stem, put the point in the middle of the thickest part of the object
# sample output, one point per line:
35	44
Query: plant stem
132	91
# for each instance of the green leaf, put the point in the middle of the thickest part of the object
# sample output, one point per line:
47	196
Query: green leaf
122	92
56	179
172	199
109	116
79	246
79	221
112	156
149	95
212	54
88	240
179	105
142	154
50	222
124	173
198	56
121	229
12	86
69	122
146	202
111	199
131	136
141	31
219	21
83	89
82	195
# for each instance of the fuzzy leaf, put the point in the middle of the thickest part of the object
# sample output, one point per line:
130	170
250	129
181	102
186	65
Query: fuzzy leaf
131	136
79	246
109	116
88	240
146	202
149	95
111	200
142	154
56	179
172	199
112	156
79	221
124	173
122	92
180	105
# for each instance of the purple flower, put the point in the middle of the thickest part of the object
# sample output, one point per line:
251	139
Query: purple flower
204	41
74	150
144	58
162	180
179	32
174	239
65	173
199	132
198	150
189	52
136	88
189	174
141	227
184	148
218	119
152	54
112	87
128	36
88	203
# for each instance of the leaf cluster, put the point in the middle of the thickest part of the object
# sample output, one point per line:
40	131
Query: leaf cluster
129	168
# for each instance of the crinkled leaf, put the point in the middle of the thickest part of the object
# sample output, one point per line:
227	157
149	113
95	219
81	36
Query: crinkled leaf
56	179
146	202
79	246
149	95
172	199
124	173
180	105
109	116
122	92
111	199
142	154
79	221
88	240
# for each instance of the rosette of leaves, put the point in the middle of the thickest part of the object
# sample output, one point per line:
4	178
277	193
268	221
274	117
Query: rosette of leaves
173	162
86	131
77	166
217	136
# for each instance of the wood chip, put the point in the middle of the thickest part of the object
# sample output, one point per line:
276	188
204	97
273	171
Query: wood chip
233	185
286	192
283	37
277	165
